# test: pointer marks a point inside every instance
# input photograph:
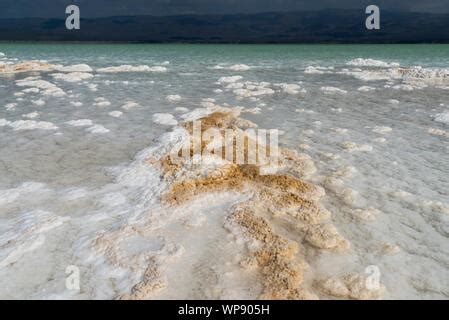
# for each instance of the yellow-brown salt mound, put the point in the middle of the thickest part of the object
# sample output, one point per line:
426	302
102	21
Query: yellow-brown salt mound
278	259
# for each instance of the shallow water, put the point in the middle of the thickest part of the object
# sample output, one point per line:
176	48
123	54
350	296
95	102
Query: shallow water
67	183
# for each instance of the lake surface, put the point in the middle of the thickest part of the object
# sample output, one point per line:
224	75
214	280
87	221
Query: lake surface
72	140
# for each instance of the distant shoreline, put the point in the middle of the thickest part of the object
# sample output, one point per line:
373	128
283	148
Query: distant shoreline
221	43
321	27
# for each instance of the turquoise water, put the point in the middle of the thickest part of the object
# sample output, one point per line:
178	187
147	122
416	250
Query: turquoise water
98	54
64	185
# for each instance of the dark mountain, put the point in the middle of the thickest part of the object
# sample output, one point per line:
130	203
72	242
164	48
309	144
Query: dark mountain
328	26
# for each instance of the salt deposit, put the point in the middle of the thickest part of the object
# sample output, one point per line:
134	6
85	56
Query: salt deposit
333	90
165	118
129	68
115	114
173	98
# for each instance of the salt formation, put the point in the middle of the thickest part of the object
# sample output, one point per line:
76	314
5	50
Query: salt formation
101	102
129	68
318	70
97	128
130	105
10	106
352	146
230	79
366	89
72	76
438	132
360	62
369	214
80	123
47	88
255	90
333	90
75	68
115	114
31	115
173	98
411	77
270	202
382	130
235	67
21	125
165	119
26	66
352	286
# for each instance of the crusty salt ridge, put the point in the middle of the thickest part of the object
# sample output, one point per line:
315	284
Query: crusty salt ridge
31	115
173	98
75	68
80	122
276	202
42	66
360	62
333	90
164	119
130	105
318	70
47	88
97	128
235	67
366	89
129	68
72	76
101	102
352	146
75	73
26	66
230	79
411	77
115	114
22	125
